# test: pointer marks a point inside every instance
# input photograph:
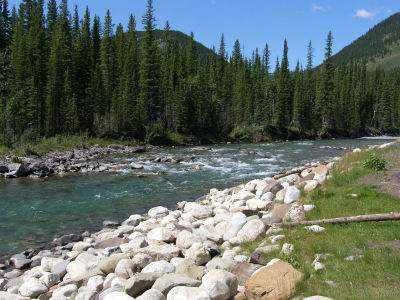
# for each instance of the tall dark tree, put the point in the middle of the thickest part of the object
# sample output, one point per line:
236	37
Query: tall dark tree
59	63
82	70
96	80
51	18
108	63
326	88
149	72
283	91
131	82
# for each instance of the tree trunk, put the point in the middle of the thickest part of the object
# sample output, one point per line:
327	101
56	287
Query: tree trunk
345	220
296	171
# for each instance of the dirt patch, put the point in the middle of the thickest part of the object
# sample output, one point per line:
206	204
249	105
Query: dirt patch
391	244
389	180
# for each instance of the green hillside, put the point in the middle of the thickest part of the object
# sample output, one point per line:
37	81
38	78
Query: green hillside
181	38
379	46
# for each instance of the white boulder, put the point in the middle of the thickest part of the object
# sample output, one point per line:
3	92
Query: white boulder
292	194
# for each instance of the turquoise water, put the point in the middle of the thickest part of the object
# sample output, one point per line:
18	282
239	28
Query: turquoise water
33	212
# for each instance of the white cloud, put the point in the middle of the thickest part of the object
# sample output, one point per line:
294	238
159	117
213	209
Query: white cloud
318	8
366	14
389	11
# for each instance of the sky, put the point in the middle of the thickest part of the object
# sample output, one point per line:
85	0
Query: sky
256	22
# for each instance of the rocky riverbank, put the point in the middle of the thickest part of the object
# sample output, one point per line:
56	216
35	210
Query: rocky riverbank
61	163
92	160
192	252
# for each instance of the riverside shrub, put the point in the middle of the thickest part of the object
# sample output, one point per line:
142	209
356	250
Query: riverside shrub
375	163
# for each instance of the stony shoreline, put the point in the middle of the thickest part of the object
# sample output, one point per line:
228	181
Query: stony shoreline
62	163
192	252
84	161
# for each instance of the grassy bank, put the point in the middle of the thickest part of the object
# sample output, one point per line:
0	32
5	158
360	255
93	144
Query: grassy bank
353	190
25	147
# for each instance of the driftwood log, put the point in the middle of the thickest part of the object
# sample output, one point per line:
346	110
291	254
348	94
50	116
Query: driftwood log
345	220
296	171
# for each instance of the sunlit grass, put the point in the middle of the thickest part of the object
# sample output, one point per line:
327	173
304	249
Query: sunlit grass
376	276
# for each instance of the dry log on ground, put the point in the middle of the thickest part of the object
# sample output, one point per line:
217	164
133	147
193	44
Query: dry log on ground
345	220
297	171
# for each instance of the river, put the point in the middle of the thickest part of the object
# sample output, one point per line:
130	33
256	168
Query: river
33	212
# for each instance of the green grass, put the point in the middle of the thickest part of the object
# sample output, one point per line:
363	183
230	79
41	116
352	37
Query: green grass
377	275
24	147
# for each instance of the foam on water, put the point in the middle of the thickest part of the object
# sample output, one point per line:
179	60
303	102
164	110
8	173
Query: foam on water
37	209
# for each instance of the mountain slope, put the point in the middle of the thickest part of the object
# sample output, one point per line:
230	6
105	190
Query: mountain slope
182	40
379	46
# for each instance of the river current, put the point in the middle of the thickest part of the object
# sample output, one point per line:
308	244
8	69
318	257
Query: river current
33	212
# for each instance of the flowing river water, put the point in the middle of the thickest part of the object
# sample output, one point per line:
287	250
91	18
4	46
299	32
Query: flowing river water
33	212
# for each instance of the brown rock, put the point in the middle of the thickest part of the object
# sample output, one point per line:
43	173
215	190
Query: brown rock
243	271
321	170
259	256
275	282
273	187
240	296
114	242
277	214
309	177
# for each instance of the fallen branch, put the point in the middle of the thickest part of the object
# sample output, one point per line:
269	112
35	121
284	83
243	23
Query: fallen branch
345	220
291	172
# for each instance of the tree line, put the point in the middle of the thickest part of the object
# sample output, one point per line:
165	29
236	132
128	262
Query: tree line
62	75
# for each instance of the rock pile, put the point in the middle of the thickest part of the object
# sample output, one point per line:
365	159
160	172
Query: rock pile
76	161
175	254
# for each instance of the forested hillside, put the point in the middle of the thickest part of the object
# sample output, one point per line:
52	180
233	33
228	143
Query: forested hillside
182	39
380	46
62	75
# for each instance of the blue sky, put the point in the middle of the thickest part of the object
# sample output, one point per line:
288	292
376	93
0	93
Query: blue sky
256	22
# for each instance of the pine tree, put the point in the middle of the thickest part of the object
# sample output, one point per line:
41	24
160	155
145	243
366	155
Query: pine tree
5	25
35	109
59	63
149	73
259	90
309	108
51	18
108	63
283	91
96	82
81	76
166	92
220	88
236	54
326	89
386	104
75	25
131	77
267	86
117	104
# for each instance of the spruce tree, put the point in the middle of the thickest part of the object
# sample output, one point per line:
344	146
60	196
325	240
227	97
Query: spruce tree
149	73
283	91
165	91
326	88
108	66
51	18
82	71
96	81
117	104
309	98
59	63
35	109
131	81
5	25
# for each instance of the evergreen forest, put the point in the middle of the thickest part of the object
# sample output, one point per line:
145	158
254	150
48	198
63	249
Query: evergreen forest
65	74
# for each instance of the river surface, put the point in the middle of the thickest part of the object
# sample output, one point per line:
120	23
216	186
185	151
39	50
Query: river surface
33	212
